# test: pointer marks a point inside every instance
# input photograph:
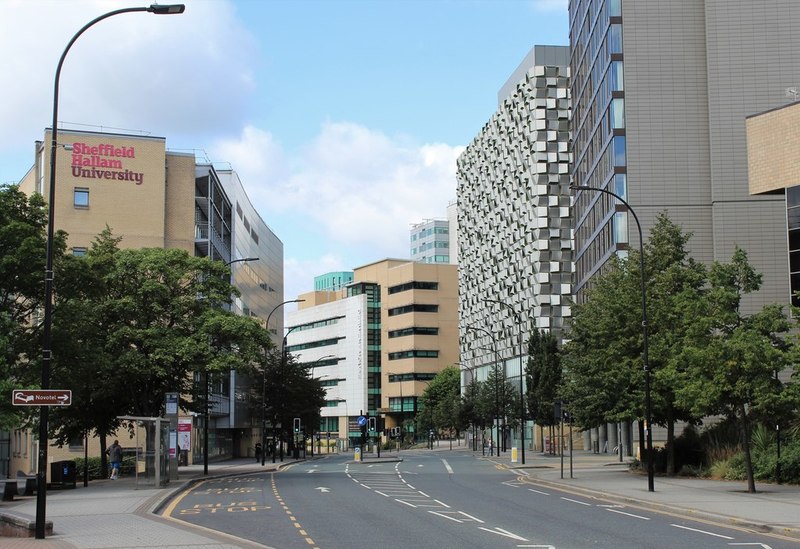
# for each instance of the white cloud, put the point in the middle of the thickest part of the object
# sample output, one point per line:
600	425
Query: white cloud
167	74
349	197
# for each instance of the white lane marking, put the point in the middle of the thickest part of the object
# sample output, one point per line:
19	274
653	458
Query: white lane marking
701	531
627	514
763	545
381	493
406	503
539	546
424	494
576	501
442	503
447	466
501	532
445	516
544	494
471	517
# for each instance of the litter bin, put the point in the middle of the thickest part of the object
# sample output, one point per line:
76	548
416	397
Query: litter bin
63	474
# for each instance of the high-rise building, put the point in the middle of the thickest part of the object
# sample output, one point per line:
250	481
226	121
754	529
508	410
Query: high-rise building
515	242
430	241
376	344
660	93
156	198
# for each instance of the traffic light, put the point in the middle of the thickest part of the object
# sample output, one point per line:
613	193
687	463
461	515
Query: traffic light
297	425
372	424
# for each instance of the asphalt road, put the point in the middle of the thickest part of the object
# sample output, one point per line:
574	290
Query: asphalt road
436	500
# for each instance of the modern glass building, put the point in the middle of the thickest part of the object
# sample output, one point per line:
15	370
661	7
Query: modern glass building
660	94
430	241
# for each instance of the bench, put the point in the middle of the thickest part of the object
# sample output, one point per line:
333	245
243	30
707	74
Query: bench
8	487
26	484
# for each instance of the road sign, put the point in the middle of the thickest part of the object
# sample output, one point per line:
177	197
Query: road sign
41	397
362	421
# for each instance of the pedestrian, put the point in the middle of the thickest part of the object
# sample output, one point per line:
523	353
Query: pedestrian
115	456
258	451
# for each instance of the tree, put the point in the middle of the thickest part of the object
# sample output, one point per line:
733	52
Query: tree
734	373
441	401
543	376
23	251
132	325
605	374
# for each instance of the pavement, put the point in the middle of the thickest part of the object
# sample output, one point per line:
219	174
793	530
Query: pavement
119	514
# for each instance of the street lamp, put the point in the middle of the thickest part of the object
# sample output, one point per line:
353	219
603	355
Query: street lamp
646	365
521	373
206	397
47	328
496	394
264	392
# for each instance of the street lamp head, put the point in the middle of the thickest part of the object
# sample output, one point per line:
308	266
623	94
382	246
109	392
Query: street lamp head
167	9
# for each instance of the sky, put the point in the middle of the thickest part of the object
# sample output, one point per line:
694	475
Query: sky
343	118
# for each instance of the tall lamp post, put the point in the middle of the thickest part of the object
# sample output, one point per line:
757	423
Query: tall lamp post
206	395
496	393
645	363
264	392
47	328
521	373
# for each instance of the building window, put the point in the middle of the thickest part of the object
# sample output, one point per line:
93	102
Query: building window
416	307
415	353
78	252
80	197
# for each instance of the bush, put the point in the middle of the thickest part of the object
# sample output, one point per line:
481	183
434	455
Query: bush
95	473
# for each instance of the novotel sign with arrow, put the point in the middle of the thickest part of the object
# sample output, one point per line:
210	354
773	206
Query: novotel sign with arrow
41	397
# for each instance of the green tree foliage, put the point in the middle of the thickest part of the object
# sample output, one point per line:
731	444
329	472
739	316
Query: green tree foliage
734	373
23	246
441	401
543	376
289	392
132	325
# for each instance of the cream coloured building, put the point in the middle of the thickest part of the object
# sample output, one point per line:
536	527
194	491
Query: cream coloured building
153	197
379	359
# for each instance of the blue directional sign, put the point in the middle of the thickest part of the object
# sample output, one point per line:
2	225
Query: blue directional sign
362	421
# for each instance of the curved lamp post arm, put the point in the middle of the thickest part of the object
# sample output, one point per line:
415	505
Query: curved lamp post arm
47	322
645	362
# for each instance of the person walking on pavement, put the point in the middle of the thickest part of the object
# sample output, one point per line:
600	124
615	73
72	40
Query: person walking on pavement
258	451
115	456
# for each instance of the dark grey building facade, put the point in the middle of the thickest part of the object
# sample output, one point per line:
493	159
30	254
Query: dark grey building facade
660	93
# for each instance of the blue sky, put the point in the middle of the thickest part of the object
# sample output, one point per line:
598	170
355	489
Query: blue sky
343	118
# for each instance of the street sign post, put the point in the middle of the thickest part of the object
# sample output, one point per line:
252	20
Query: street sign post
41	397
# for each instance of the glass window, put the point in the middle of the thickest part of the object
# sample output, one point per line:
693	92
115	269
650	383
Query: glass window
81	198
616	76
619	150
793	218
793	196
794	262
617	113
614	8
794	240
615	39
621	227
621	185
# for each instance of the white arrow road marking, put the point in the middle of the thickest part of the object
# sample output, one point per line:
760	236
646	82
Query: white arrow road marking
701	531
322	489
501	532
763	545
311	471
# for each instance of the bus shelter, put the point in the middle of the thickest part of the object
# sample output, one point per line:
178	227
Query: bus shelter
152	450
